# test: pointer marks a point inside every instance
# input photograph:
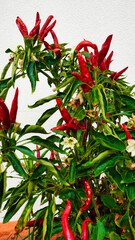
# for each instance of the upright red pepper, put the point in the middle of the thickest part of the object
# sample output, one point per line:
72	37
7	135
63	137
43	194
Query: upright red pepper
48	20
85	229
64	113
47	30
89	195
104	50
14	107
5	117
128	135
117	75
22	27
108	60
85	74
67	231
56	43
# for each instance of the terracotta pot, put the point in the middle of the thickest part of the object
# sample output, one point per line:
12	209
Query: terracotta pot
8	228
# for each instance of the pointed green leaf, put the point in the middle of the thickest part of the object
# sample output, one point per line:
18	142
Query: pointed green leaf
2	186
48	113
110	141
76	83
16	164
32	129
25	215
32	74
46	144
114	236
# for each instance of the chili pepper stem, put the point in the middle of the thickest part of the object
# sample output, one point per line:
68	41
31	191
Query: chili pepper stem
76	220
94	204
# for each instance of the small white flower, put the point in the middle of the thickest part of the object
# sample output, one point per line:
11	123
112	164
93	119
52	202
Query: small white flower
69	142
2	168
131	147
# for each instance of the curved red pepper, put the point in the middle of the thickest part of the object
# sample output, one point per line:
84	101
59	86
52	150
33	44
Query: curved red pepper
14	107
67	231
47	46
86	43
89	195
85	229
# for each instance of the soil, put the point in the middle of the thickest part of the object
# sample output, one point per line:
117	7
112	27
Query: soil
7	229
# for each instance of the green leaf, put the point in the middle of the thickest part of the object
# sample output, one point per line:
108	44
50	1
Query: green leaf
43	100
16	164
130	189
25	215
26	59
129	177
109	201
76	83
2	186
114	236
72	171
98	231
46	115
46	144
110	141
13	209
32	74
65	82
46	163
103	102
14	67
116	177
79	113
110	162
48	220
32	129
129	102
24	150
38	172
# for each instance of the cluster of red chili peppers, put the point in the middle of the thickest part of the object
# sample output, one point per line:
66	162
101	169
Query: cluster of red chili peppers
41	34
98	59
67	231
6	117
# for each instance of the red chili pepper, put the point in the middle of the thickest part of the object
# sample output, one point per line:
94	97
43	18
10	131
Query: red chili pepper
85	74
45	25
35	30
108	60
38	155
85	229
14	107
39	223
89	195
67	231
52	155
117	75
5	117
47	46
56	43
86	50
128	135
86	43
22	27
47	30
64	113
104	50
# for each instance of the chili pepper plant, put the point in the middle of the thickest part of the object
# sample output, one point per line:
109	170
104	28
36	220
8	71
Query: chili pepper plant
83	169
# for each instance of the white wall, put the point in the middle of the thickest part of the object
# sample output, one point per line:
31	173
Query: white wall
76	19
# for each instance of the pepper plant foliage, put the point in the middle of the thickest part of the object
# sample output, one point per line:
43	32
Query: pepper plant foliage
88	159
